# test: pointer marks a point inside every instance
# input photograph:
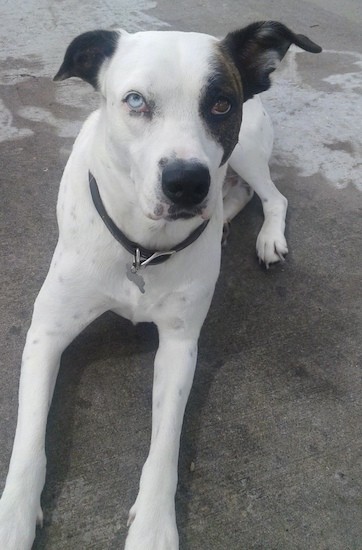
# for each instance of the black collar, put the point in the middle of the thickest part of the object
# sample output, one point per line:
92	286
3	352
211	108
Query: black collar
142	257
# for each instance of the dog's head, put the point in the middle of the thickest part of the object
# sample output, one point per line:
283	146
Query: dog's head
172	105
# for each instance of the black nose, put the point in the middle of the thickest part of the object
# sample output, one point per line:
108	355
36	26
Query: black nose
185	183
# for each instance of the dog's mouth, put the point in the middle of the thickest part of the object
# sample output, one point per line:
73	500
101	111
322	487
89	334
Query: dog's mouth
177	213
173	212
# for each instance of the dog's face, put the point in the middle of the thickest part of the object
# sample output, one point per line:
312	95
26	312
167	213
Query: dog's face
172	105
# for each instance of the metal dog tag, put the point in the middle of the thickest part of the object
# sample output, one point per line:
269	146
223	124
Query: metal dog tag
135	277
132	270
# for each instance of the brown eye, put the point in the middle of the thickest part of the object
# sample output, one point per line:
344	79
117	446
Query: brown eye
221	107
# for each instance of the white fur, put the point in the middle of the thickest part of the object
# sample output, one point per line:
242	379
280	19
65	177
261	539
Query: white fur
87	273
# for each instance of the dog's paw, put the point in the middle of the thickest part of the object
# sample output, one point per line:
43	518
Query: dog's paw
152	529
17	526
271	246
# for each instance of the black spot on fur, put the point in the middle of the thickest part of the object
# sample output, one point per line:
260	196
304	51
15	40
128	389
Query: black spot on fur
257	48
86	54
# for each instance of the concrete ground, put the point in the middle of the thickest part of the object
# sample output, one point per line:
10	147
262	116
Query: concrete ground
273	425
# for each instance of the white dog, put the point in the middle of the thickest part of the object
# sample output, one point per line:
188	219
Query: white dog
141	209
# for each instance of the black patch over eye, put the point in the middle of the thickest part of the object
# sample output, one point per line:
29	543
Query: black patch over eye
221	109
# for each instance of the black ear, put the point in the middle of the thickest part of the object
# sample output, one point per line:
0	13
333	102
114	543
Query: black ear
257	49
85	55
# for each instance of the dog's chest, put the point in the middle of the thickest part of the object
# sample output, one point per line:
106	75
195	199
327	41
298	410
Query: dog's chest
139	297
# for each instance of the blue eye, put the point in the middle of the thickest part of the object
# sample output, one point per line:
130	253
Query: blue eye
136	102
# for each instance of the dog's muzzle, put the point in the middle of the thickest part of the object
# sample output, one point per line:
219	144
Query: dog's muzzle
185	183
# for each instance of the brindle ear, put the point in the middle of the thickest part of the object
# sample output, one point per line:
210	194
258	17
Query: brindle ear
257	50
85	55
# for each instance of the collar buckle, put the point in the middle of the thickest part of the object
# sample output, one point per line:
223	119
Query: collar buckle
156	255
137	263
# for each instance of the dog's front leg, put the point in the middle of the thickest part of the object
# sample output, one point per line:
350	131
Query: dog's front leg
152	518
63	308
250	159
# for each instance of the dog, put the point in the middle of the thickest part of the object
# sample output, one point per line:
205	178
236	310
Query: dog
142	204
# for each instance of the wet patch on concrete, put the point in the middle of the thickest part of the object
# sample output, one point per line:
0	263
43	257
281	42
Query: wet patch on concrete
315	116
29	59
346	146
49	27
8	129
16	69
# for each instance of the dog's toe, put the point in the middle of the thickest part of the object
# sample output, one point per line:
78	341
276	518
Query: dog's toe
40	518
271	248
225	233
131	516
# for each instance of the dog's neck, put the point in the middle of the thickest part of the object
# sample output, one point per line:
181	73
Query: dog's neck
125	211
142	256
